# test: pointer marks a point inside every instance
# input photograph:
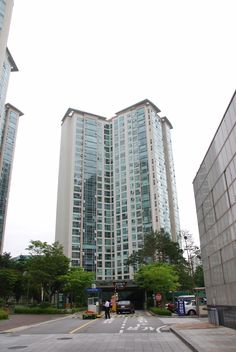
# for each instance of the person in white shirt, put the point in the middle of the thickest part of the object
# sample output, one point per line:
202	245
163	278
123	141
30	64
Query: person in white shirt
107	309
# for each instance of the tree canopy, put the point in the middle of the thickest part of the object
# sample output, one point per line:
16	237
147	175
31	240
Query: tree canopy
158	247
75	282
157	277
45	265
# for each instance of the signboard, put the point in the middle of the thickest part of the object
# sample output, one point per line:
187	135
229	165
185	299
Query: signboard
93	289
119	285
60	300
181	307
158	297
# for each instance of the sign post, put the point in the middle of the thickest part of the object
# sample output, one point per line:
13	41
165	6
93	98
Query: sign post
158	297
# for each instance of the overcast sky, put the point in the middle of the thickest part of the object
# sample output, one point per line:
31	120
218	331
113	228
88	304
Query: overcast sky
101	56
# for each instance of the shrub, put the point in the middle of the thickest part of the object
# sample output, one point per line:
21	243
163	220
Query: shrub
160	311
3	314
45	305
38	310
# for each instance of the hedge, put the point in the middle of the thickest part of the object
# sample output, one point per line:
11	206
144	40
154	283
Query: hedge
38	310
160	311
3	314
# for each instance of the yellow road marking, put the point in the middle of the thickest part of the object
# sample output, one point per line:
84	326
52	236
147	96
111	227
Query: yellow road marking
82	326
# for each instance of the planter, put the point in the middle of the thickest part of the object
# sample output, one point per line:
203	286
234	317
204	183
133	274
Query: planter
89	315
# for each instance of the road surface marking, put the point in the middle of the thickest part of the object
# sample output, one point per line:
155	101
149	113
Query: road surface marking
159	329
82	326
108	321
123	325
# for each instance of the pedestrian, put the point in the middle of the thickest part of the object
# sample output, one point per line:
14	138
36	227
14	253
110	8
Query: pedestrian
107	309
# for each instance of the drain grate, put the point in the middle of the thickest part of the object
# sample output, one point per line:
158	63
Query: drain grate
64	338
16	347
167	329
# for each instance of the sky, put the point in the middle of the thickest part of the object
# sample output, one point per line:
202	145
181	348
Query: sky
103	56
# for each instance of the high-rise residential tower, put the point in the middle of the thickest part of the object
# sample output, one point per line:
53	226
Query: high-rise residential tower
7	63
7	148
116	183
9	115
6	7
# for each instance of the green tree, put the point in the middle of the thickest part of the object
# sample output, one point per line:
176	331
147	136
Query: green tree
199	277
5	260
185	279
158	247
8	279
11	270
75	283
155	277
45	266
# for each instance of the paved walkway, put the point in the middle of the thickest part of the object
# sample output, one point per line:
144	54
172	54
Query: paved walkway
197	333
201	336
18	320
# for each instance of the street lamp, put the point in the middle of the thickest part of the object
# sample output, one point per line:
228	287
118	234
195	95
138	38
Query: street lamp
188	255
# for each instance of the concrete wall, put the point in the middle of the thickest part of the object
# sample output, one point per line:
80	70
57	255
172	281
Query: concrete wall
215	196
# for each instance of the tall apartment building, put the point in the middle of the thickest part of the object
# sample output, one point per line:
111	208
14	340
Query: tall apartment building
215	197
116	183
6	7
7	63
9	115
7	148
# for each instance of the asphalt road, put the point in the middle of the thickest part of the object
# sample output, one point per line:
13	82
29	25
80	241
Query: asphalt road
132	333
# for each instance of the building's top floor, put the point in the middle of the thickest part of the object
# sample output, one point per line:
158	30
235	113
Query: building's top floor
135	106
9	106
70	112
145	102
12	63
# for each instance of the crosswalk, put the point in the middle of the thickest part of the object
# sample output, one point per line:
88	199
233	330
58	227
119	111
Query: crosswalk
124	315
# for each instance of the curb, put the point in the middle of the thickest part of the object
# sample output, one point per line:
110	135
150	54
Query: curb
187	341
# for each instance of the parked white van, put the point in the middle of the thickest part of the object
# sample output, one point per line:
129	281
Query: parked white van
186	298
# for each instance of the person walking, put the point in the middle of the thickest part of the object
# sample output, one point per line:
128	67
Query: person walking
107	309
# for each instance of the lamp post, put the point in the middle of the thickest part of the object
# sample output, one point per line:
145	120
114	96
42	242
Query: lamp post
188	255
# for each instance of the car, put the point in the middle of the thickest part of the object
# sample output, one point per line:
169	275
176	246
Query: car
124	307
190	308
186	298
171	307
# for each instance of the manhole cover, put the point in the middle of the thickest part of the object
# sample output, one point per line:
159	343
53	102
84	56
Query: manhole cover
16	347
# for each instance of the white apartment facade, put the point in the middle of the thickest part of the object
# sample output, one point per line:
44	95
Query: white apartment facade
6	7
9	115
116	183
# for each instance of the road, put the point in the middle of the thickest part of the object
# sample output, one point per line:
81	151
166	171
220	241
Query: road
129	333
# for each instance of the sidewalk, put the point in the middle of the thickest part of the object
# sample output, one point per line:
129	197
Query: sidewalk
201	336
